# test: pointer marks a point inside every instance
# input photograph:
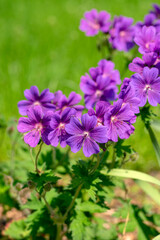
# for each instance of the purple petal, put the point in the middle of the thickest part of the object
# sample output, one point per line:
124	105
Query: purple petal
91	112
101	108
35	113
90	100
99	134
150	74
74	127
87	85
53	137
153	98
125	113
55	120
25	125
45	134
24	106
75	142
90	147
89	122
46	96
67	114
48	107
32	138
74	98
32	94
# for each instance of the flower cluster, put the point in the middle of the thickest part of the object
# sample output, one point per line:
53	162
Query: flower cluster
120	31
151	19
95	22
100	84
146	80
60	119
110	115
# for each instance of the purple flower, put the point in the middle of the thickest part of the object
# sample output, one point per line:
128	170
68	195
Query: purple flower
127	94
85	134
156	10
149	60
100	85
118	121
147	86
122	33
71	102
106	70
57	124
101	108
146	39
95	22
34	98
57	96
37	126
149	20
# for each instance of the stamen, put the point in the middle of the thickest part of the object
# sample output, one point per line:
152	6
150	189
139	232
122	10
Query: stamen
39	127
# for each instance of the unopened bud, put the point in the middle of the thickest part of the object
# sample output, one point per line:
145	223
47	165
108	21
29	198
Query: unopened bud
134	156
8	180
31	184
47	187
10	130
18	186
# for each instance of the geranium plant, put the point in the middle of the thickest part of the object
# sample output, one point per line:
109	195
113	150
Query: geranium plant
67	209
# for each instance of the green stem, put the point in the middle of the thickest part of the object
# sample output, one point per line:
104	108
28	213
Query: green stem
59	237
31	154
96	165
113	158
154	142
48	207
73	200
36	159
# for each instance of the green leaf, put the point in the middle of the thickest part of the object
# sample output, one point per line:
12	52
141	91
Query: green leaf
90	207
17	230
40	180
120	149
150	191
77	225
154	142
33	203
132	174
92	193
157	238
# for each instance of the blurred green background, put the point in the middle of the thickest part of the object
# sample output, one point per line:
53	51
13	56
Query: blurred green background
40	44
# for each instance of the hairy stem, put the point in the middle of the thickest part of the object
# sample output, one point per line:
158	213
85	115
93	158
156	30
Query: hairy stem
73	200
59	226
96	165
36	159
48	207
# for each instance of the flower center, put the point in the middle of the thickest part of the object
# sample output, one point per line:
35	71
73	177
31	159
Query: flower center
99	93
147	88
39	127
105	75
62	126
122	33
94	25
147	45
64	107
99	122
113	119
36	103
86	134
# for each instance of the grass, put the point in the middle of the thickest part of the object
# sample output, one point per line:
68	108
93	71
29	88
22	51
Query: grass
40	44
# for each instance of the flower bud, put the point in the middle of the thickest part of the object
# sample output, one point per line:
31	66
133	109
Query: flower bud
47	187
8	180
31	184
